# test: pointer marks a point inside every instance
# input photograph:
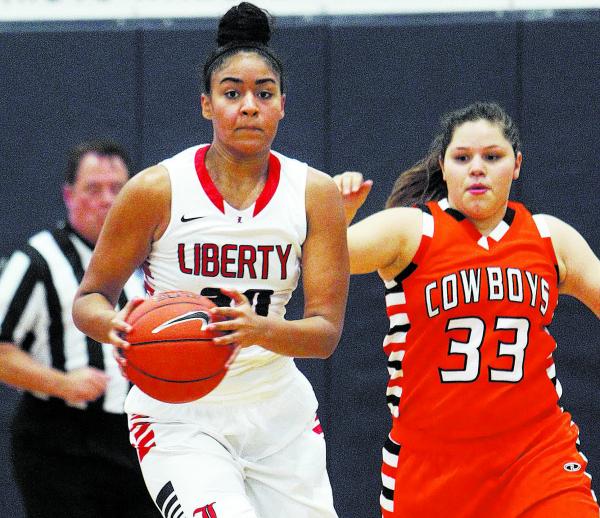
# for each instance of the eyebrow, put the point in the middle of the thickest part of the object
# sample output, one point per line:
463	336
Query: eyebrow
492	146
239	81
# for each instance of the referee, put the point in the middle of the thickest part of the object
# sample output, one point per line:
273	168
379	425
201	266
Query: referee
70	447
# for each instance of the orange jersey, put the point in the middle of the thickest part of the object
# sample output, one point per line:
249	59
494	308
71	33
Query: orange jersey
469	354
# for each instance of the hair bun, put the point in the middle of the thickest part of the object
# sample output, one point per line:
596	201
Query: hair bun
244	23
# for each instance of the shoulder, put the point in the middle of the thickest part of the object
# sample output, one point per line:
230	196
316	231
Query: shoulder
566	241
323	202
144	203
150	188
152	180
27	261
405	224
38	246
561	233
579	266
319	181
386	241
404	220
321	190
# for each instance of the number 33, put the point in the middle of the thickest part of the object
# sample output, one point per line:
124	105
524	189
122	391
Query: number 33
470	349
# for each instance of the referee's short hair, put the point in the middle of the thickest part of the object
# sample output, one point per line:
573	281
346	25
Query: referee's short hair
103	147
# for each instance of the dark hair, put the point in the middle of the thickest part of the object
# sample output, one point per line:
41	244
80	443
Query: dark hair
244	27
423	181
103	147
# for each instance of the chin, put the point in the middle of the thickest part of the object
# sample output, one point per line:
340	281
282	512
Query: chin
477	208
252	146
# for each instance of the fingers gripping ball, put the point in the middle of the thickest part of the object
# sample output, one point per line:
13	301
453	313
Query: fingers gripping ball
172	356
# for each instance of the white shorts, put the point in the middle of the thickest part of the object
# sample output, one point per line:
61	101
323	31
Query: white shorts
261	459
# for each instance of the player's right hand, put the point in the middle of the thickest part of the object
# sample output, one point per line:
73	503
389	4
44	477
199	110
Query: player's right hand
120	326
354	189
85	384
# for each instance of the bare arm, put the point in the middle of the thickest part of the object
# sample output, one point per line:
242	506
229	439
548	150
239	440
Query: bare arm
22	371
17	367
139	215
384	242
355	190
579	267
325	280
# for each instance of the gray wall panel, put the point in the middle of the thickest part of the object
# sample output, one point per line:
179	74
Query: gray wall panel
57	88
390	85
561	134
363	93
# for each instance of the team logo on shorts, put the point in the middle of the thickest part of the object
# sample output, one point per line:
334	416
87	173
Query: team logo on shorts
572	466
192	315
208	511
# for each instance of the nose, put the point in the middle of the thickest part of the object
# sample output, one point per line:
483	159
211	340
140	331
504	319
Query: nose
477	166
107	197
249	105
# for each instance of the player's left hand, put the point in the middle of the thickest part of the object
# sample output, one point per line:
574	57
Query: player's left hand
243	326
354	189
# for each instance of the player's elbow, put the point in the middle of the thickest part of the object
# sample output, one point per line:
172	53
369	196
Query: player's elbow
330	342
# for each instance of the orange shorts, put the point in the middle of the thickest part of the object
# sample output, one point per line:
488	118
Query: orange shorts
542	478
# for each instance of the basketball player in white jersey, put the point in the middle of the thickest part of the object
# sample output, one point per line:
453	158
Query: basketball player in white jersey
233	221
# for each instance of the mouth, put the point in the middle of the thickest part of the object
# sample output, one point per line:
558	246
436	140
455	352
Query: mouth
249	128
477	189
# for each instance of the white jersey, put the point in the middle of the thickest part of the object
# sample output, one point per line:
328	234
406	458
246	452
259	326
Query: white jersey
209	244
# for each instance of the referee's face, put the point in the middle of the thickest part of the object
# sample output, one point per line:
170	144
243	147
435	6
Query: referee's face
99	179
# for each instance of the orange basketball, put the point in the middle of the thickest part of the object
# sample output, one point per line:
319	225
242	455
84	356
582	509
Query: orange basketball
172	356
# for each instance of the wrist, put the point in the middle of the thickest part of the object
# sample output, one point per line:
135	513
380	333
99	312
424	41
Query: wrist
58	384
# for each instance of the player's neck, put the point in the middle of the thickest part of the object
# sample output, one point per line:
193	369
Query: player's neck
483	216
486	225
239	181
225	164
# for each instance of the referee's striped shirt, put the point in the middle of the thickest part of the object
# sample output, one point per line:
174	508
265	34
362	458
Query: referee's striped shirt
37	287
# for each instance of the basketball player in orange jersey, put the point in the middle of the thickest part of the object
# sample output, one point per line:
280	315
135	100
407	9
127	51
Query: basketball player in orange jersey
472	280
234	221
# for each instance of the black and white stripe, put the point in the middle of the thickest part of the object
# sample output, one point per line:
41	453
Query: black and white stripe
37	287
390	453
168	503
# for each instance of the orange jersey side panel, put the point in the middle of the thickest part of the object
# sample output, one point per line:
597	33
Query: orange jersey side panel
469	353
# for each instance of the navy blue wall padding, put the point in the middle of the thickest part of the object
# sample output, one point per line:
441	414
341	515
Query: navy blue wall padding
363	93
561	134
57	89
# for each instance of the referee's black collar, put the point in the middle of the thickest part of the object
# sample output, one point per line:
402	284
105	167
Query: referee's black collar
67	226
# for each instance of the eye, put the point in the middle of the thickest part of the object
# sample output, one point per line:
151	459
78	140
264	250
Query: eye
232	94
116	188
492	157
265	94
461	158
93	189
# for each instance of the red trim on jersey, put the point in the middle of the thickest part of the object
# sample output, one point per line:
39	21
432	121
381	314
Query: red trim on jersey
273	175
206	181
147	276
148	287
142	437
270	185
394	310
146	269
318	429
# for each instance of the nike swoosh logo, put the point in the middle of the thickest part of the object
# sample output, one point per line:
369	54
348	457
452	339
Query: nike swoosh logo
190	315
185	220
